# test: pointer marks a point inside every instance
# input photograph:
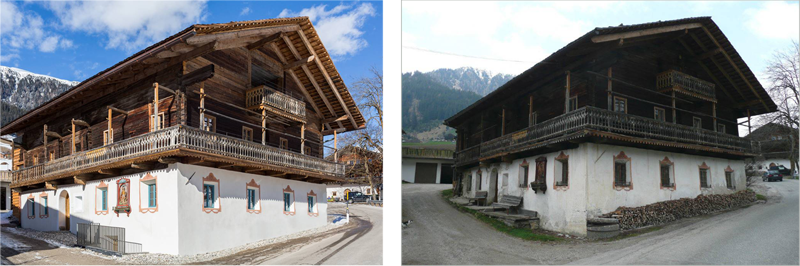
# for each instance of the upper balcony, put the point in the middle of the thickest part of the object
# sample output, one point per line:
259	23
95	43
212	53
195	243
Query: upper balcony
181	141
285	104
5	176
614	126
679	82
427	153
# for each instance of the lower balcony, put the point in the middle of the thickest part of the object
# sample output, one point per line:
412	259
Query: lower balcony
620	128
181	144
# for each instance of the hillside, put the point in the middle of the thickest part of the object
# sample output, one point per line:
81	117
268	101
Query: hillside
23	91
426	102
475	80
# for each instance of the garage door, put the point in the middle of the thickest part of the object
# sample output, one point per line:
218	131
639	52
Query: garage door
447	174
425	173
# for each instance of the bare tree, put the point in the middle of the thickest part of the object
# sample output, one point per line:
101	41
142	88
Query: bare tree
783	73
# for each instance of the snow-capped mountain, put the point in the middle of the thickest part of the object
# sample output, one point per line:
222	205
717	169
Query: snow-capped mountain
23	91
479	81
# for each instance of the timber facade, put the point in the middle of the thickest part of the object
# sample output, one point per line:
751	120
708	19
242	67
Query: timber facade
669	93
247	100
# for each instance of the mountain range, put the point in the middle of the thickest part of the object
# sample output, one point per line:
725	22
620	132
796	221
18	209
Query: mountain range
471	79
22	91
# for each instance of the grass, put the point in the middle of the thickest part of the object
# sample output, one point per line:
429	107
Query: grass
521	233
634	233
760	197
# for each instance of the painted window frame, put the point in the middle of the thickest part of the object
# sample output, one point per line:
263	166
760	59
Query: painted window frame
31	201
730	179
212	181
291	201
101	192
284	143
622	158
479	180
704	168
524	174
43	205
313	204
561	172
469	181
307	150
145	183
670	166
108	138
624	106
247	133
161	117
256	197
213	121
663	114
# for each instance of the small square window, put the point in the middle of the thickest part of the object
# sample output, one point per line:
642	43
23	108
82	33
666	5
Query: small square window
284	144
620	105
573	104
697	122
307	150
532	118
247	133
209	123
720	128
659	114
108	136
157	122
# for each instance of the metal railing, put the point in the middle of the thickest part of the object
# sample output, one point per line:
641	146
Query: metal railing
427	153
178	137
603	120
673	79
263	94
106	238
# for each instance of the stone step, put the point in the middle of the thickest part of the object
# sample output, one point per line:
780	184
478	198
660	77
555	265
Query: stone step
603	228
598	220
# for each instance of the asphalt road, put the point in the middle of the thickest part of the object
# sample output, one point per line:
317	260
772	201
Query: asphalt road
761	234
360	245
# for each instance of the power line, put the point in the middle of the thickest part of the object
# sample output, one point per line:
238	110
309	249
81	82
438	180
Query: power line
468	56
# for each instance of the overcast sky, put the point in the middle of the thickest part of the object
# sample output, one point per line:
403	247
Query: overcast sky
530	31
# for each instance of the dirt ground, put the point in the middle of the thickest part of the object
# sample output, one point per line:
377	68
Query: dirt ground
39	252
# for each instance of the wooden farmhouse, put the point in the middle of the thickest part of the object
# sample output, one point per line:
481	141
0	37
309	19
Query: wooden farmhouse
622	116
219	124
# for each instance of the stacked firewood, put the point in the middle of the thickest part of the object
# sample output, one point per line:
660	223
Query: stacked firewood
667	211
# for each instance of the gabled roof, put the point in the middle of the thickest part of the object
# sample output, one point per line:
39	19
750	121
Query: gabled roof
322	81
706	38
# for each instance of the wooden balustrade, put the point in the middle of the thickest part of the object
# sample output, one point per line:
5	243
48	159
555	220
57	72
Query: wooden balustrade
592	118
173	138
686	84
427	153
265	95
5	176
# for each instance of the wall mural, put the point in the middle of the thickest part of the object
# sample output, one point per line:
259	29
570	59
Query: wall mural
123	196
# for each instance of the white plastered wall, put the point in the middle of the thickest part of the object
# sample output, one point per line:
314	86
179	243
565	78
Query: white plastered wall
410	166
234	226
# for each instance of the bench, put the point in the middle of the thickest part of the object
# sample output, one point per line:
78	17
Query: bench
508	202
479	196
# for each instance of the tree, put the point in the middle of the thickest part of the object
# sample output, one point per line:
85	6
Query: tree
783	73
367	143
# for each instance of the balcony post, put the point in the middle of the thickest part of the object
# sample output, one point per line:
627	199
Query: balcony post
610	108
335	145
263	126
503	123
202	106
155	107
566	94
714	114
749	129
110	134
674	117
44	135
303	138
72	151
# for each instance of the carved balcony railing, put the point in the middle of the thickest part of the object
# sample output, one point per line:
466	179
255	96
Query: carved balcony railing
601	120
5	176
427	153
685	84
174	138
275	100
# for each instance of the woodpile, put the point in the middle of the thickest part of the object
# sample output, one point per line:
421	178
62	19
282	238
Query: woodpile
667	211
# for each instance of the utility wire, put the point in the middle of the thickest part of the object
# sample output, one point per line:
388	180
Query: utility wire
468	56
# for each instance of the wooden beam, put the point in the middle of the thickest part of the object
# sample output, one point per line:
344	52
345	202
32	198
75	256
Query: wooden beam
111	171
50	185
82	179
193	160
53	134
324	72
305	93
268	40
143	166
80	123
298	63
708	71
112	108
335	119
645	32
254	170
198	75
333	131
708	54
318	88
169	160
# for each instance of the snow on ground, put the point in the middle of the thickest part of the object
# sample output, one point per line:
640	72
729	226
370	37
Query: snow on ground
5	217
7	240
61	239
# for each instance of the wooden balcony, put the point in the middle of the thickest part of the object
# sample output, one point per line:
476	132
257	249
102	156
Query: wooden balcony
182	141
5	176
427	153
274	101
684	84
592	122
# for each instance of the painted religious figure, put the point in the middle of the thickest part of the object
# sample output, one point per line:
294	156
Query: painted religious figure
123	196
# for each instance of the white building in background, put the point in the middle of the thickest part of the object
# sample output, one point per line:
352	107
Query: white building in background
428	163
608	124
339	191
5	176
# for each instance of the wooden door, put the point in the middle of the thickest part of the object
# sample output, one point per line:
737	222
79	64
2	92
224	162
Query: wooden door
66	213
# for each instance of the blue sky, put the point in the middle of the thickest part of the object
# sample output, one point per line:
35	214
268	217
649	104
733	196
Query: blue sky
75	40
530	31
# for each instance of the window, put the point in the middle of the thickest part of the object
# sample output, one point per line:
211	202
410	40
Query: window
108	136
523	174
622	172
532	118
288	201
52	156
307	151
247	133
705	180
148	191
209	123
251	199
35	159
697	122
211	194
573	104
479	180
620	105
469	182
284	143
369	191
31	208
157	124
43	201
311	197
659	114
667	173
151	195
729	178
253	191
561	170
101	199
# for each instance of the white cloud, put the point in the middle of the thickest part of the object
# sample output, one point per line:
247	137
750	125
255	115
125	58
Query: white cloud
129	25
340	27
775	20
245	11
22	29
8	57
49	44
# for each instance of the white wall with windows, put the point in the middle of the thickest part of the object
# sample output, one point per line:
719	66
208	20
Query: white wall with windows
409	169
590	188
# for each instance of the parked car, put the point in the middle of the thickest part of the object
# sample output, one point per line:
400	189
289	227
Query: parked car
782	169
772	175
357	197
